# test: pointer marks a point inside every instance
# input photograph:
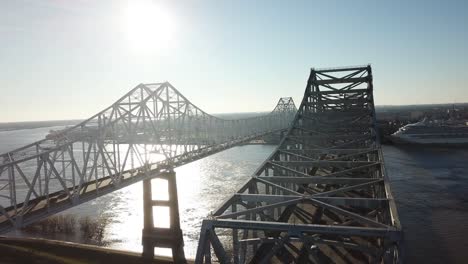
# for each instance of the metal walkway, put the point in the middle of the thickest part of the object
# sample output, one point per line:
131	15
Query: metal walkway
323	195
150	129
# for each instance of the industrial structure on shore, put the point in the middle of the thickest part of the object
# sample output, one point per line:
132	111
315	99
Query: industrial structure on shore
322	196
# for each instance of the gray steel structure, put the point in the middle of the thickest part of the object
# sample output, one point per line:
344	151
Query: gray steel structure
323	195
149	130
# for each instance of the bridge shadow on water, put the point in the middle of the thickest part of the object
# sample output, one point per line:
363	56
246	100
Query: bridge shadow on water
430	186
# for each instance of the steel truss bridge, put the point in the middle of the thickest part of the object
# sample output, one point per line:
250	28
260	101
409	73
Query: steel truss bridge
146	133
323	195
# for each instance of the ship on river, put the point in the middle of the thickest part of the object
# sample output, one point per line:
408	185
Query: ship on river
433	132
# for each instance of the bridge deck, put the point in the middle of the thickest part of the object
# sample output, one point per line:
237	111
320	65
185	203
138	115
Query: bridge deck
43	206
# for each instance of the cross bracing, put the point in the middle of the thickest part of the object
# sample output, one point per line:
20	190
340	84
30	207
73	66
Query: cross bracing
150	128
323	195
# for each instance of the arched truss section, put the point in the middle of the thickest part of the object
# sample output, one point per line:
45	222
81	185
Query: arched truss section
151	127
323	195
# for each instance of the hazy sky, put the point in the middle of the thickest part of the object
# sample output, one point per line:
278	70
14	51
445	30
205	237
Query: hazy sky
69	59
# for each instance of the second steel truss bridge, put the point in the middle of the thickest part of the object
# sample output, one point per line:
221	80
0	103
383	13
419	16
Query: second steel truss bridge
146	133
323	195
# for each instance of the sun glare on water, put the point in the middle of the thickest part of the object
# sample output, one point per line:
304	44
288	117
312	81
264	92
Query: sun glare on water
149	26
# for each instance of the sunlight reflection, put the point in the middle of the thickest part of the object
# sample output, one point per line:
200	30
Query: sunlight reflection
161	216
201	186
159	189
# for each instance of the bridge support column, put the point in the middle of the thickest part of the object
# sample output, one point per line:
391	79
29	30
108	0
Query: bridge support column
165	237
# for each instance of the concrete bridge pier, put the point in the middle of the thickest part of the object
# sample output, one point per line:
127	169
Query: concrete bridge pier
165	237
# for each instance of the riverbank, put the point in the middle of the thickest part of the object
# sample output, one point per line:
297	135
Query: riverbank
36	250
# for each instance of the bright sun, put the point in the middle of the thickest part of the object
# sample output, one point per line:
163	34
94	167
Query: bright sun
149	26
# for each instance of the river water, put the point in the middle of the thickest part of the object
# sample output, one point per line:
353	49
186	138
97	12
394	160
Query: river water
430	186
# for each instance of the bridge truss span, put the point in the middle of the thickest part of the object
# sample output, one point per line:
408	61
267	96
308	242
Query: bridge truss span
323	195
150	128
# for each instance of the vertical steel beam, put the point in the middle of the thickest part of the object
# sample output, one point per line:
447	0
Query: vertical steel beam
170	237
